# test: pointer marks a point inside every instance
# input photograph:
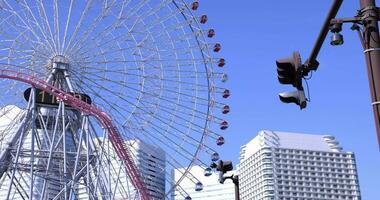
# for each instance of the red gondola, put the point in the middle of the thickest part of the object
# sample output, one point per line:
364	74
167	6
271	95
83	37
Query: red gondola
226	93
217	47
224	125
195	5
211	33
221	62
203	19
225	109
220	141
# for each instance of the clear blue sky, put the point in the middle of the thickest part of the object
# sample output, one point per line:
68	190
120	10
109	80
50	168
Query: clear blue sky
253	35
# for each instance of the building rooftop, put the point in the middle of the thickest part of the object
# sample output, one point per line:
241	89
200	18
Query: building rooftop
287	140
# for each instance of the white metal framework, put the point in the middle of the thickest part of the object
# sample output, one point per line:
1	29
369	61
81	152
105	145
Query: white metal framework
143	70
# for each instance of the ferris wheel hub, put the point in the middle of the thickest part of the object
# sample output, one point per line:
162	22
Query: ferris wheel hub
59	62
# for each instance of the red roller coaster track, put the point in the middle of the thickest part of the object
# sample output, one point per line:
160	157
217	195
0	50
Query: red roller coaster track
114	135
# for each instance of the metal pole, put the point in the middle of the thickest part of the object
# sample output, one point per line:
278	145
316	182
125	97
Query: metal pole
312	61
235	180
33	133
372	55
65	163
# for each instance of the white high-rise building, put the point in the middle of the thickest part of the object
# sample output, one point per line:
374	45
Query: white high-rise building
292	166
212	189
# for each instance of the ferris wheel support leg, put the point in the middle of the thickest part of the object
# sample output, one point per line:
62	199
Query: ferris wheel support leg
22	130
87	156
51	75
58	196
78	153
33	132
101	173
109	167
65	174
117	182
5	154
68	81
92	147
51	149
100	158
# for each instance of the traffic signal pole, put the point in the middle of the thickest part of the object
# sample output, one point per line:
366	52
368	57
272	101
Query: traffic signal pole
367	17
235	180
224	167
312	62
371	41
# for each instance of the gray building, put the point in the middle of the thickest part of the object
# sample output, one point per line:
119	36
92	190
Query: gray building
292	166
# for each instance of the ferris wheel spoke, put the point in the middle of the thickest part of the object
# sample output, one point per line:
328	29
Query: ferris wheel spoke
94	72
67	26
171	159
152	9
194	115
16	46
92	27
106	162
89	44
161	19
149	94
185	136
97	85
20	68
79	24
136	8
106	31
44	18
159	129
106	43
111	51
181	61
35	22
21	34
94	75
57	31
139	108
27	25
40	53
145	93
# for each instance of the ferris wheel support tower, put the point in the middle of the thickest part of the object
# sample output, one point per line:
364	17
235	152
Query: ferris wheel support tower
86	109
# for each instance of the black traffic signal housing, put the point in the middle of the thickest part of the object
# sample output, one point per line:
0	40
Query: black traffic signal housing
297	97
223	167
291	71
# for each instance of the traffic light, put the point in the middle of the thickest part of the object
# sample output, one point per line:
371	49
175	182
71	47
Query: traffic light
291	71
223	167
297	97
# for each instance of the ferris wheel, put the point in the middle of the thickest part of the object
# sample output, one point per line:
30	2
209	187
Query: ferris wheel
102	99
